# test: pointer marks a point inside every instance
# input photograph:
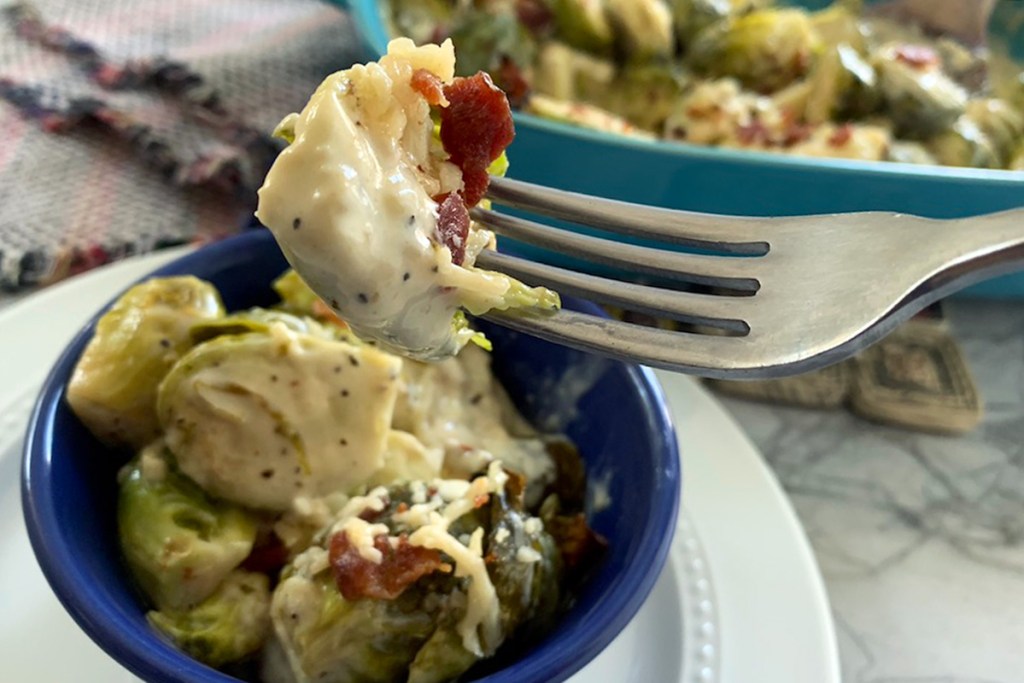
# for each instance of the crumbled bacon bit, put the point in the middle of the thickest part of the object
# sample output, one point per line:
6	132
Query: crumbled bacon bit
511	80
795	133
267	557
753	133
534	15
481	500
401	566
369	514
429	85
841	135
476	127
453	225
917	56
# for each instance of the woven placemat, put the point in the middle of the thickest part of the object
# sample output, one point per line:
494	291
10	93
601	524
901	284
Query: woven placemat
132	124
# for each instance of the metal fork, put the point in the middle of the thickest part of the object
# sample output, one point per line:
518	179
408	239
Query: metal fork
780	296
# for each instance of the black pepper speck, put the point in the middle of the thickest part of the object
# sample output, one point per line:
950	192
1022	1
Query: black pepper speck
344	393
363	299
166	343
354	361
267	474
405	278
296	224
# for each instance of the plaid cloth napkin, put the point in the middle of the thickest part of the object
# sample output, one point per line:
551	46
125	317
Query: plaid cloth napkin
133	124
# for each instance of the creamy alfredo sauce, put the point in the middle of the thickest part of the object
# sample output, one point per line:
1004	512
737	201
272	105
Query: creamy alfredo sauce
349	202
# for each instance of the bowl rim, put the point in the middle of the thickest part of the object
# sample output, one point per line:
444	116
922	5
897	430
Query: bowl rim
370	27
150	657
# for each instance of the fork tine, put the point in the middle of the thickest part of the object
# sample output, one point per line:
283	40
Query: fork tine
730	272
725	234
724	312
706	355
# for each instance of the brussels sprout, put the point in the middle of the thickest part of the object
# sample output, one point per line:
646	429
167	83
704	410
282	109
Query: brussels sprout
420	19
583	24
113	388
334	640
919	97
178	543
1017	160
964	144
442	658
766	49
259	418
1001	123
840	24
230	625
296	296
693	16
568	74
260	320
484	38
644	94
643	27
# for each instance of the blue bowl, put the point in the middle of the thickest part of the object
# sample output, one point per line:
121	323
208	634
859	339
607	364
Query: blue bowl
684	176
621	424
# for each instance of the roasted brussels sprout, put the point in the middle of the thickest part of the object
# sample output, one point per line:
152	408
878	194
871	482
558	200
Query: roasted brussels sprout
179	544
485	39
693	16
226	627
645	94
643	27
296	295
260	320
569	74
765	49
260	418
583	24
921	100
1001	123
113	388
964	144
841	85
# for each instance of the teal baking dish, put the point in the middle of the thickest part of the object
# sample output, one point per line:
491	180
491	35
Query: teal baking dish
685	176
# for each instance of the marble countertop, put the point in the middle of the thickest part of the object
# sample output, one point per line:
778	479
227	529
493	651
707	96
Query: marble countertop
920	538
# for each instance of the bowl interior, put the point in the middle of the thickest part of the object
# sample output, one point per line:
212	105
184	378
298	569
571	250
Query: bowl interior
614	412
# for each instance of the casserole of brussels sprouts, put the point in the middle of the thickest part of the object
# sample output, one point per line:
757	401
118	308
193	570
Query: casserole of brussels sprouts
753	74
304	506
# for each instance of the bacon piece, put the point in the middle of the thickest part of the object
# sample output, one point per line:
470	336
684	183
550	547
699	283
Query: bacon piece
918	56
476	127
267	557
453	225
429	85
400	567
841	135
513	82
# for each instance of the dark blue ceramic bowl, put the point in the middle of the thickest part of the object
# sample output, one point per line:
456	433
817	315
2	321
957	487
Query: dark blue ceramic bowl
620	423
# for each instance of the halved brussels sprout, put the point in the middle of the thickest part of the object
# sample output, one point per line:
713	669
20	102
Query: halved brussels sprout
645	94
484	38
842	84
643	27
260	418
113	388
228	626
766	49
920	99
296	295
693	16
1001	123
260	320
569	74
583	24
840	24
964	144
179	544
328	638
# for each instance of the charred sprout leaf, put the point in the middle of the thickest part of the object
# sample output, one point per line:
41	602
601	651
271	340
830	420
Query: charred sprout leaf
643	27
920	98
230	625
179	543
766	49
113	388
583	24
260	418
333	640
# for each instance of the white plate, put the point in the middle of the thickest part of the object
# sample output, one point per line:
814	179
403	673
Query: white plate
741	600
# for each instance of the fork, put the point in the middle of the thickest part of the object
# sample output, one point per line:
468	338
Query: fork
777	296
